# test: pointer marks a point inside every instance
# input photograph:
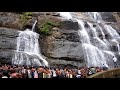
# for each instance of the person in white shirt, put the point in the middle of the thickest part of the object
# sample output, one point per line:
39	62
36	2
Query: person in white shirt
54	73
114	59
115	62
4	75
78	74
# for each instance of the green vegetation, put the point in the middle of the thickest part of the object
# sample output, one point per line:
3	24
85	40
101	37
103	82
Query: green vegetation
24	17
47	27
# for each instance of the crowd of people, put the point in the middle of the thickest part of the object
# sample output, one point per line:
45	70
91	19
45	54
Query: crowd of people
14	71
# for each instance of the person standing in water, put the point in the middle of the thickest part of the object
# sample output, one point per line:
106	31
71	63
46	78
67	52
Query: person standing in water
115	62
105	66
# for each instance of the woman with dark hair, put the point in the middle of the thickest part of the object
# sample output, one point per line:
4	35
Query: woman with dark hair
5	74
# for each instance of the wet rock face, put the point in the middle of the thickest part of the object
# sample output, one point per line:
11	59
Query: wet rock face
8	38
67	51
71	36
64	44
69	24
8	43
6	56
10	20
108	17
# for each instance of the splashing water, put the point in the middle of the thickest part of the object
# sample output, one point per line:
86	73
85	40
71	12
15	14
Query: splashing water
28	52
92	55
83	33
99	51
95	16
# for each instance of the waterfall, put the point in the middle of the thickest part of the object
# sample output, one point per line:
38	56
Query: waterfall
28	51
33	27
113	36
95	16
111	31
83	33
97	51
92	54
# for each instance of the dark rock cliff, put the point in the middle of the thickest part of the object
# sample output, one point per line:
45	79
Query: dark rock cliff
8	44
63	46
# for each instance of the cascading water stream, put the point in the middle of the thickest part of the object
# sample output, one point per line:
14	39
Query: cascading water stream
97	41
95	16
99	51
28	51
112	33
92	55
83	33
33	27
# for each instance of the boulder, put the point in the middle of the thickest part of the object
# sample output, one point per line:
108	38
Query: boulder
67	50
69	24
65	46
72	35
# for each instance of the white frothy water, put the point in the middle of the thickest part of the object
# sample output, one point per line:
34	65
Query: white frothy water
100	44
96	39
103	35
96	53
112	32
95	16
28	52
33	27
83	33
113	36
66	15
92	54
